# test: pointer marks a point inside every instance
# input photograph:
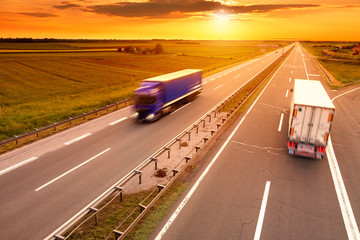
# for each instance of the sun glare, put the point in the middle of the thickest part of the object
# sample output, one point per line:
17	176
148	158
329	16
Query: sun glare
222	16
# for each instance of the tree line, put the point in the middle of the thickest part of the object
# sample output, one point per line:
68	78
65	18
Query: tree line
158	49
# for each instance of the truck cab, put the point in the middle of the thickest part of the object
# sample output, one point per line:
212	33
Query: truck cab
148	101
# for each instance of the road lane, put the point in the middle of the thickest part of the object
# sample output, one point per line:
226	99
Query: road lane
47	209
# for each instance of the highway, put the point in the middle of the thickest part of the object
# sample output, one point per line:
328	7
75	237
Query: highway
47	182
249	187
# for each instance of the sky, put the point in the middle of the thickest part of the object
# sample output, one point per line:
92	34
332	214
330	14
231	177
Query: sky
322	20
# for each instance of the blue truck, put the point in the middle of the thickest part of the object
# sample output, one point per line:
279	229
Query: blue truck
160	95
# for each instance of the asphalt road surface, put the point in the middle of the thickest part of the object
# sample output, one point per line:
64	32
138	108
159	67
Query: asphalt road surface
47	182
249	187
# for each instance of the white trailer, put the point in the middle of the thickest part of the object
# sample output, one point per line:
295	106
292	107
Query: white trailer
311	117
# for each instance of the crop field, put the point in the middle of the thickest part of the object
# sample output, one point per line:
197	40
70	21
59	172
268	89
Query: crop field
37	89
345	71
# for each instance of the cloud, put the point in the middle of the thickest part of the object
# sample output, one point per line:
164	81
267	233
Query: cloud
38	14
66	5
176	8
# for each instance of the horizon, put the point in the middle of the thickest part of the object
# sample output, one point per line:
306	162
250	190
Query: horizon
231	20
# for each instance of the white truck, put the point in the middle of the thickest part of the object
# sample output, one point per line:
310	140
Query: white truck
311	117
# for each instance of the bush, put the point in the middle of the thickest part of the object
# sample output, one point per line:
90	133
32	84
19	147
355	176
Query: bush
158	49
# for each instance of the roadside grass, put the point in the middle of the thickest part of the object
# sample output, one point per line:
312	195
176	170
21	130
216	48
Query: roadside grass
346	72
38	89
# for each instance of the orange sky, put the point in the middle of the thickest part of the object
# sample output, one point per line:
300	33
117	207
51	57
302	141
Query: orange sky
336	20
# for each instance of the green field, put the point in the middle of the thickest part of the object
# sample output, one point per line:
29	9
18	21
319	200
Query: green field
37	89
344	70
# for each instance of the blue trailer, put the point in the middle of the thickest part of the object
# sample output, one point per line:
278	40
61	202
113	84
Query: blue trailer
159	95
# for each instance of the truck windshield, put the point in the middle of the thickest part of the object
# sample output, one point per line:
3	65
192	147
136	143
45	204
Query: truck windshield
145	100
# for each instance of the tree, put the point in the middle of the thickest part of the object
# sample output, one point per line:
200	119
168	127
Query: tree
128	49
158	49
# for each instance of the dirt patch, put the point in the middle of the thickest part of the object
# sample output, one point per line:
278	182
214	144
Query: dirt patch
161	173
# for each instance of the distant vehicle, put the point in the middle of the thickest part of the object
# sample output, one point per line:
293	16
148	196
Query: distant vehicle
311	118
160	95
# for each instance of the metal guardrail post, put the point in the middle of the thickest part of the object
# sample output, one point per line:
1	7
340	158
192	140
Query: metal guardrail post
139	173
168	149
160	187
197	128
117	234
187	159
142	208
189	133
179	140
175	171
197	148
120	189
155	161
95	210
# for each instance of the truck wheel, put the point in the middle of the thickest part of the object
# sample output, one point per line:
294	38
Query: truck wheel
158	115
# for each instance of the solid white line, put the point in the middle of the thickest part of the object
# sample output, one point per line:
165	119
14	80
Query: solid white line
71	170
179	108
289	79
316	75
281	120
292	71
120	120
344	93
77	139
287	93
193	189
237	76
307	75
218	87
262	211
17	165
345	206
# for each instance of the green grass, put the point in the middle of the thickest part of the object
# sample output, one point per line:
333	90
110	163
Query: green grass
37	89
344	71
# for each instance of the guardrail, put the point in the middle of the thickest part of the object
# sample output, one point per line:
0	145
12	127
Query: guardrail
321	68
227	110
54	126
